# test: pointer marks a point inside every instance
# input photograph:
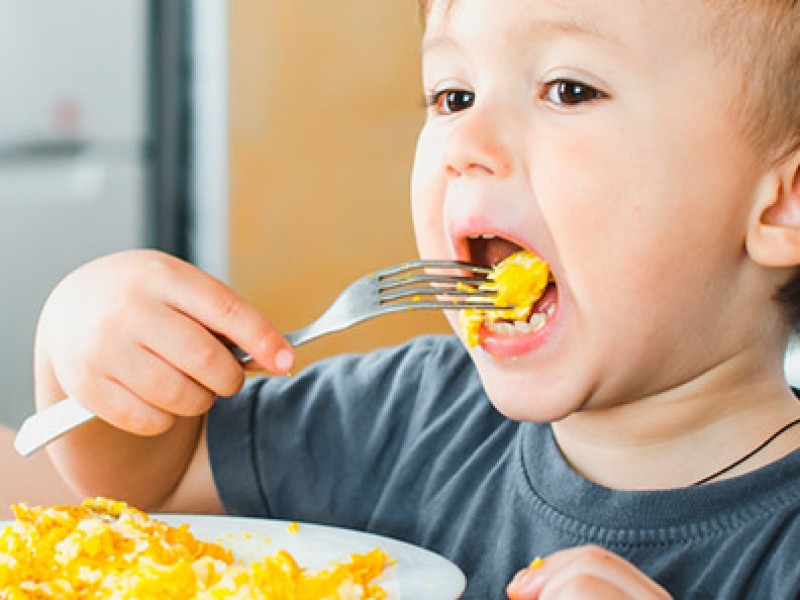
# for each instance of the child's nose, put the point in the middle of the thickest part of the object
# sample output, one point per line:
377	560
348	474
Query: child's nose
477	146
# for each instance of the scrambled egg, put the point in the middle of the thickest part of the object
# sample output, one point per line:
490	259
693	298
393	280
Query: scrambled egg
107	549
519	280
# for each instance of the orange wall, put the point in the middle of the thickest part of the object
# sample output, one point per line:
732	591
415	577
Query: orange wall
326	102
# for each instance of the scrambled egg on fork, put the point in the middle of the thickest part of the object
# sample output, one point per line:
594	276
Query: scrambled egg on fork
519	280
107	549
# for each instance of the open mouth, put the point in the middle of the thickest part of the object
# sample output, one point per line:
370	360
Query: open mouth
521	279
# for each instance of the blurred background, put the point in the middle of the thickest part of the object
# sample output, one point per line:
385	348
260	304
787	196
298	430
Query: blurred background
268	142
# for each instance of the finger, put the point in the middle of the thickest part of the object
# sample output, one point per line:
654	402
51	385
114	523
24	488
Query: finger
527	583
588	587
192	349
576	567
115	404
212	303
163	386
597	562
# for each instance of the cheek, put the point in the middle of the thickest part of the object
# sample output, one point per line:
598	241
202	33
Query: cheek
646	208
609	223
592	201
426	204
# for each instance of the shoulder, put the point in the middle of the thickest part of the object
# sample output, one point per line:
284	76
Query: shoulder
430	355
758	556
382	385
422	361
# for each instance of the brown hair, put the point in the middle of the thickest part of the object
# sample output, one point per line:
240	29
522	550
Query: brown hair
764	37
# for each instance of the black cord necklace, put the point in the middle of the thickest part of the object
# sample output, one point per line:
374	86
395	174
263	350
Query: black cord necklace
753	452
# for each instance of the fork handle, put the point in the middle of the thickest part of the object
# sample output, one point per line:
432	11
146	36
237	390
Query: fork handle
49	424
52	422
303	335
295	338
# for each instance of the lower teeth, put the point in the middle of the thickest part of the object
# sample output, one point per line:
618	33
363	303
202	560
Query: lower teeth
535	323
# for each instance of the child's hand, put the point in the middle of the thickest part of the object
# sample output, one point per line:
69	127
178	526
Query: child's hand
585	573
137	338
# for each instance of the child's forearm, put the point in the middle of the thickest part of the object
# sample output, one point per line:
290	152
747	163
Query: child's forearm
99	459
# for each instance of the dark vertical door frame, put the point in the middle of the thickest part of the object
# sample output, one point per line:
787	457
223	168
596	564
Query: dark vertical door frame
170	71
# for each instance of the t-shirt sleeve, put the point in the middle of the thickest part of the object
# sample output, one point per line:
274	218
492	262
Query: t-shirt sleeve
319	446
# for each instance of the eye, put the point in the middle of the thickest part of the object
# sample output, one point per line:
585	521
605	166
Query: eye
570	92
447	102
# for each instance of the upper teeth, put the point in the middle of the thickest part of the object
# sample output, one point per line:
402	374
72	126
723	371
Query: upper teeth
485	236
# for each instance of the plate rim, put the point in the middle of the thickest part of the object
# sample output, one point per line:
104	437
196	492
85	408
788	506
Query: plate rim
376	539
459	581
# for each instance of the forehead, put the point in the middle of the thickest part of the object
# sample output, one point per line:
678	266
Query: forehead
631	22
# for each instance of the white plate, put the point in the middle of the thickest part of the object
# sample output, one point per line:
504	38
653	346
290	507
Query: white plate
416	574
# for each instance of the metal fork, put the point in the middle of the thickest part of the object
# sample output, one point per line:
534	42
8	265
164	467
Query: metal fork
414	285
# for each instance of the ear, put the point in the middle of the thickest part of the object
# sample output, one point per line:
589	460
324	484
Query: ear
773	237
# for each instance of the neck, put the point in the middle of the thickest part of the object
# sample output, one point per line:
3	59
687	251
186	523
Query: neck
680	436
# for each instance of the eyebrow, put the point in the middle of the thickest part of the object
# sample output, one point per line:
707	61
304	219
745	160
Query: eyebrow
574	27
537	29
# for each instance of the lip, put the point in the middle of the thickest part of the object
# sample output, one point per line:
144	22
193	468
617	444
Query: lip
517	345
495	344
461	232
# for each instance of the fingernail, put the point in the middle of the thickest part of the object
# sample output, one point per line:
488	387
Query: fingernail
284	360
525	581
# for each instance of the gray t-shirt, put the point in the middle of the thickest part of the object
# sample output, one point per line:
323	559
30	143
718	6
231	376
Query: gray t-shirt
404	442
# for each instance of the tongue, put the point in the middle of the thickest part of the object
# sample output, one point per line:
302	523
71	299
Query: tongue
491	251
547	300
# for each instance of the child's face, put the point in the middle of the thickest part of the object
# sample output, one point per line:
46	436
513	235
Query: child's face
600	136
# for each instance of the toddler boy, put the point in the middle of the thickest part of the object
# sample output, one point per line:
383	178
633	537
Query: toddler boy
649	152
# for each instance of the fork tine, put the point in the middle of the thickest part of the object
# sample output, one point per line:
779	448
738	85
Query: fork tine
449	294
410	286
440	304
446	302
444	281
416	272
416	265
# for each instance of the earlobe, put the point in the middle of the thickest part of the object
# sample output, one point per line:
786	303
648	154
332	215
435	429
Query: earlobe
773	238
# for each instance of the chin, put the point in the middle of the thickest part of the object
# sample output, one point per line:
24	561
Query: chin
525	401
